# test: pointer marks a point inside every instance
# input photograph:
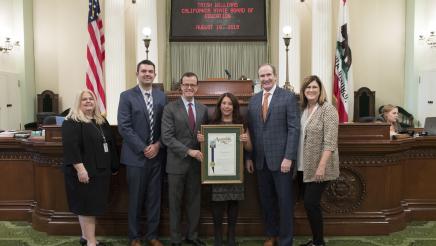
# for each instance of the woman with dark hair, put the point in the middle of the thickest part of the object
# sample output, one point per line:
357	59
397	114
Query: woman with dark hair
226	196
318	159
230	105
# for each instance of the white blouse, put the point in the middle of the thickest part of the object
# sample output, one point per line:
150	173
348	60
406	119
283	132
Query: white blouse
305	117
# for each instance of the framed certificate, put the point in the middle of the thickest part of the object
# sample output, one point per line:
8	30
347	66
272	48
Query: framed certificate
222	154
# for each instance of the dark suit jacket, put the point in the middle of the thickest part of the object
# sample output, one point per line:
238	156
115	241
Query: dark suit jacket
278	136
133	124
177	135
83	143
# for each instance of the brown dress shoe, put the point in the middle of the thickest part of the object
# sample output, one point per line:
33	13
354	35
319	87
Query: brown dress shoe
155	242
272	241
135	242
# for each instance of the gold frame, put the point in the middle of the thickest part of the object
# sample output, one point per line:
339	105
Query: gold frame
238	162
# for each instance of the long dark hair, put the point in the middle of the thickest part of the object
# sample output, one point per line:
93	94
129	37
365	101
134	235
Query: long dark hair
236	116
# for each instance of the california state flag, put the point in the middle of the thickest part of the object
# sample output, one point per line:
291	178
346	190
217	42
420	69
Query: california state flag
343	86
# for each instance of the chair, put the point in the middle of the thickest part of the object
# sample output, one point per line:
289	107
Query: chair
364	103
48	105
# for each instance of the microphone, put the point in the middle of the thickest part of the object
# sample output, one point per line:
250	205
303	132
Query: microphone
228	73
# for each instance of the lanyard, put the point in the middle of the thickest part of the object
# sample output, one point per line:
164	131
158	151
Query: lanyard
99	131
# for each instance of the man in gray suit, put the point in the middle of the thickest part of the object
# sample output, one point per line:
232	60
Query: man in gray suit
274	125
180	122
139	123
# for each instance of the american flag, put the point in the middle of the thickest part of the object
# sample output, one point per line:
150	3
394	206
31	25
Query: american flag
95	55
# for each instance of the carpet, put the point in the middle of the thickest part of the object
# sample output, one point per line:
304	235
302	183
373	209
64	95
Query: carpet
416	234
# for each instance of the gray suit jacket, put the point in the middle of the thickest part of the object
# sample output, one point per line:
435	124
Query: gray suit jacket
177	136
133	124
278	136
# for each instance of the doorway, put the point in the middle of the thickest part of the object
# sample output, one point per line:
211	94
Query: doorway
426	96
10	102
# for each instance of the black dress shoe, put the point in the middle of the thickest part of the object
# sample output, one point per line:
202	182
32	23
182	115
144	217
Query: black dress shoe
83	241
195	242
307	244
310	243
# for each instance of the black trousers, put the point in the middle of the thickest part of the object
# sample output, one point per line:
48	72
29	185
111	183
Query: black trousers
218	208
312	192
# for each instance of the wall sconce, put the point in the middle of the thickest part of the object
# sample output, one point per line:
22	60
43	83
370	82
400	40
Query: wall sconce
287	31
429	39
146	31
8	45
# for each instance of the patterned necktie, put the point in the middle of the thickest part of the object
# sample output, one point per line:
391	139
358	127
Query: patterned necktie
265	105
191	118
149	104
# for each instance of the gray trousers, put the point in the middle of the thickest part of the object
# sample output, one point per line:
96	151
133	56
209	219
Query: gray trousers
186	185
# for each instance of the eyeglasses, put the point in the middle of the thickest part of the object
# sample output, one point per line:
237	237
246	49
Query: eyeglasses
189	85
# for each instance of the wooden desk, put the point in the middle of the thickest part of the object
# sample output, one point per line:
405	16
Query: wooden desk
383	185
209	91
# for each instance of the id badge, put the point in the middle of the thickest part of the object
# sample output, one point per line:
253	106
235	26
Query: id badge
105	147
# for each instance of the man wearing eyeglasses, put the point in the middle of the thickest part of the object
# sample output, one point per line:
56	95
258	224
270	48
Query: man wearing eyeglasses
181	121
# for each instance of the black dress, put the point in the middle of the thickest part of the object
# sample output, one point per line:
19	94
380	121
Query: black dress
83	143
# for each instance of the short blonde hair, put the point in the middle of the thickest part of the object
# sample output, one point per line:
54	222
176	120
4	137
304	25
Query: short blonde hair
322	93
77	114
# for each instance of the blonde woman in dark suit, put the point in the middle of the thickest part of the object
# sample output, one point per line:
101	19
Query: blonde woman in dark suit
90	157
318	160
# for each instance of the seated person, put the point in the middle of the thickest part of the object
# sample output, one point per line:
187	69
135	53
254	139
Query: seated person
390	115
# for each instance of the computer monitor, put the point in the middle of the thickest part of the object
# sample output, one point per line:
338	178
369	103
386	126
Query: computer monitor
430	126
